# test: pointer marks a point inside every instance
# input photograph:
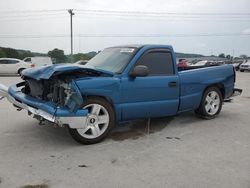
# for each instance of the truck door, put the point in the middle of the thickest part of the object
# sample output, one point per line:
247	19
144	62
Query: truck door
155	95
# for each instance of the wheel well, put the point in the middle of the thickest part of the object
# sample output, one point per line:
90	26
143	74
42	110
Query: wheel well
19	70
220	86
101	97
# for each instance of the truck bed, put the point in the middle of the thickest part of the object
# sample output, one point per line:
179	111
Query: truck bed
194	80
194	67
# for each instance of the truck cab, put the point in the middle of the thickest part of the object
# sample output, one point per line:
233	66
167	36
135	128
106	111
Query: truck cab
156	93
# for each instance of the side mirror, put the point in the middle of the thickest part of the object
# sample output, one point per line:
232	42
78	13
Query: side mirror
139	71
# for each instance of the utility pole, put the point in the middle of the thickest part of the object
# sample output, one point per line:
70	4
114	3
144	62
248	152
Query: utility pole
71	32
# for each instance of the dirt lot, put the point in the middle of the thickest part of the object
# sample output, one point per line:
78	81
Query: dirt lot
182	151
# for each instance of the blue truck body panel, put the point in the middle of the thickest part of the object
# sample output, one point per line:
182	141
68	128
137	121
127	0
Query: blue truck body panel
193	83
134	98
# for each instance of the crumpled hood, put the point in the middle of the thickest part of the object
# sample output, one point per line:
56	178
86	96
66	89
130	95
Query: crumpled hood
47	72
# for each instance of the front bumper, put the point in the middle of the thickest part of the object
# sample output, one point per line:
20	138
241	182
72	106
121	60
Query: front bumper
44	110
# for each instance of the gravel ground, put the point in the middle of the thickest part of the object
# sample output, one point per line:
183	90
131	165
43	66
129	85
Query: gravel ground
177	152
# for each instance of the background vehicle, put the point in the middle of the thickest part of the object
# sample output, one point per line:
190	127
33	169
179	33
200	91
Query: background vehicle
245	66
237	64
206	63
120	84
182	63
38	61
12	66
81	62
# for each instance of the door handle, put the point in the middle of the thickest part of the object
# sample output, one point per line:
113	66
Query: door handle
172	84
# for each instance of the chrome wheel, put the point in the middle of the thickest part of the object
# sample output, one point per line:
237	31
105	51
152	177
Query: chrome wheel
212	103
97	121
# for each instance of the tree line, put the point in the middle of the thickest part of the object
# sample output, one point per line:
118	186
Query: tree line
57	55
222	55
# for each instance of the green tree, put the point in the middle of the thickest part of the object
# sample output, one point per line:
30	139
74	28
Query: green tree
222	55
243	56
228	56
25	54
2	54
58	55
11	53
80	56
91	54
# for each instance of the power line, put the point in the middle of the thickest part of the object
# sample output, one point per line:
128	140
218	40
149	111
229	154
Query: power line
123	17
120	12
31	11
164	35
33	36
128	35
163	16
171	19
31	15
160	16
32	19
164	13
135	15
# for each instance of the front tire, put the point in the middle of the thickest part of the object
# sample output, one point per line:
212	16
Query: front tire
211	103
100	121
241	70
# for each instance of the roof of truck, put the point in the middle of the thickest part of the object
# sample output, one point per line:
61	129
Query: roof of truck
143	45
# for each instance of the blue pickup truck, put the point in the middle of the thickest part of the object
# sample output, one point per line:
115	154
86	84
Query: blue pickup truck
120	84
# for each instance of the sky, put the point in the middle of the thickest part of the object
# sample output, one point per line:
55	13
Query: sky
196	26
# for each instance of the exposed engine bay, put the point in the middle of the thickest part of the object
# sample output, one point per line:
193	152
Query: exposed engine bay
48	90
58	89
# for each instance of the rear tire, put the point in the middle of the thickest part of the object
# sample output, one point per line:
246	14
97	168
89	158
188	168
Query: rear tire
241	70
211	103
101	120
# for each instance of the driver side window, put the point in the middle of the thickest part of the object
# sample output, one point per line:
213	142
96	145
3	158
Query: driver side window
159	63
2	62
12	62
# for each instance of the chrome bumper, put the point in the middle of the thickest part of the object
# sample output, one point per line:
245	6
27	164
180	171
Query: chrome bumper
75	122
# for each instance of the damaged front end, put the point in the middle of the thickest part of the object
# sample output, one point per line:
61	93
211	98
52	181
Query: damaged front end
55	98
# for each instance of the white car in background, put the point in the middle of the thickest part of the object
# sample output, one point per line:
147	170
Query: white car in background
38	61
245	66
12	66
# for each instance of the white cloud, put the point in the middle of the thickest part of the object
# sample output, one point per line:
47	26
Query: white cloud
200	45
85	24
246	31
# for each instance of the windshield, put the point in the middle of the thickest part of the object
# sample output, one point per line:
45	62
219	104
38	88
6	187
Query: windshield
112	59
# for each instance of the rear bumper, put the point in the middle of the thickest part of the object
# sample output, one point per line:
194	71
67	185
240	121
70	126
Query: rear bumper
44	110
236	92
